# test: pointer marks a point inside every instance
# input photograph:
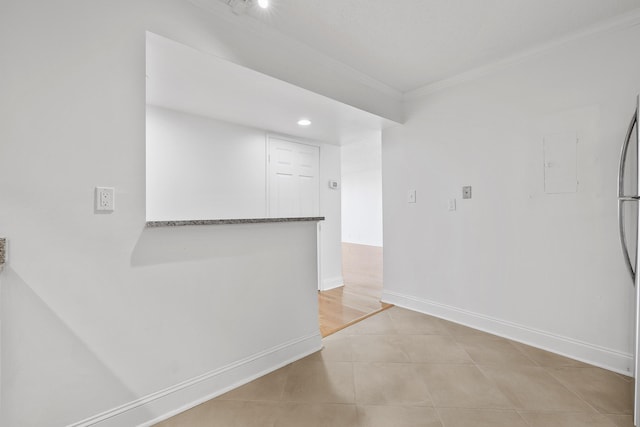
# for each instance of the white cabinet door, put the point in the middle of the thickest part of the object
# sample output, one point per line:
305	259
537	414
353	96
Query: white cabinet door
293	179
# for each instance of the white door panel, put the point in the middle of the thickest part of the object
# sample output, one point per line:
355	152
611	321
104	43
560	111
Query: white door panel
308	196
293	179
285	192
283	157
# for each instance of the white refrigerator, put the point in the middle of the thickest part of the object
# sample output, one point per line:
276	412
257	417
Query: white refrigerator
628	223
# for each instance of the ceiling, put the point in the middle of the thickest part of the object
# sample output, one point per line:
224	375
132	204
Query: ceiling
407	44
185	79
403	44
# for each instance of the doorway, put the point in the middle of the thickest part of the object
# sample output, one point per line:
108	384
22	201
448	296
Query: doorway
361	235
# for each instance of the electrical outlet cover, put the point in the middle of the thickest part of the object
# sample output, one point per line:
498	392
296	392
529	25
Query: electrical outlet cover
105	199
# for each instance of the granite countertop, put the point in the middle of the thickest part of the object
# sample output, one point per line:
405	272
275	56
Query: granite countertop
153	224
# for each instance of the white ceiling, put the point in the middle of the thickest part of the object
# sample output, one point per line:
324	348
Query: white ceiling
185	79
403	44
407	44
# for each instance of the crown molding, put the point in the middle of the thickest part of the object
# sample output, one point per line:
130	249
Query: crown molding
262	31
618	23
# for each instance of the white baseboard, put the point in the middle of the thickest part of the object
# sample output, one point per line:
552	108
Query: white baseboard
368	244
332	283
592	354
173	400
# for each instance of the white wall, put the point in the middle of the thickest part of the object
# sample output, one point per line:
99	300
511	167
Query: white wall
201	168
97	306
362	191
541	268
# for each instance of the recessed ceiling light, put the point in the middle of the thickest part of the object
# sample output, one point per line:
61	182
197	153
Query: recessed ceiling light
263	3
304	122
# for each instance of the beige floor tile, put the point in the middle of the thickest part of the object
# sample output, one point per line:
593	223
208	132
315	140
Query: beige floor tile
627	378
378	348
380	324
604	390
397	416
320	382
267	388
620	420
492	350
317	415
336	348
546	358
456	329
457	417
343	333
435	349
532	388
411	322
401	368
462	386
389	384
565	419
227	413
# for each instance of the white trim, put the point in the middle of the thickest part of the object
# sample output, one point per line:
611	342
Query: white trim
618	23
267	170
319	252
267	178
173	400
592	354
298	139
332	283
363	244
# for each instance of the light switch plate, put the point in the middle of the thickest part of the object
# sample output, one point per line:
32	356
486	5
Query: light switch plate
466	192
411	198
452	205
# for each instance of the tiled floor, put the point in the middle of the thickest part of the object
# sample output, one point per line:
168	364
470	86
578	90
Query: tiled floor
400	368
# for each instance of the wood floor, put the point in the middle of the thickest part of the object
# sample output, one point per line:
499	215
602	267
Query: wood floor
359	298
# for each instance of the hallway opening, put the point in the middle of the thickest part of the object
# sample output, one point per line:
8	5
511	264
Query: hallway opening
359	298
362	246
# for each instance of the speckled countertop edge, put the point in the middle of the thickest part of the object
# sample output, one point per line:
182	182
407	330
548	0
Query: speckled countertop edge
154	224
